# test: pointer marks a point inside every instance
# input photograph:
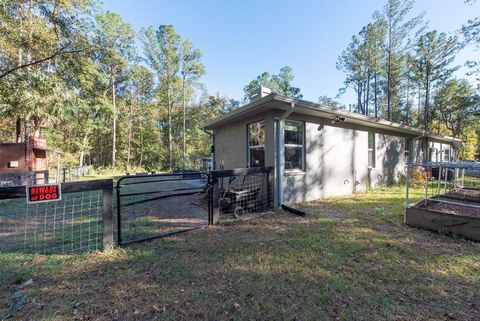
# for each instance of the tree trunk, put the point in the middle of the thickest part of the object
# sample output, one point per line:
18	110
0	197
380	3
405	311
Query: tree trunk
169	111
364	89
375	94
389	72
129	145
140	162
82	152
368	94
427	94
389	90
407	116
359	97
18	130
114	129
184	127
27	145
419	114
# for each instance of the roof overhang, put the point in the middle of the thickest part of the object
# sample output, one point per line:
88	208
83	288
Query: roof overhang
282	103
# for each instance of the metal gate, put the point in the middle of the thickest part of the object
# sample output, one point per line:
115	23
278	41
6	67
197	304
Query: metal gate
156	205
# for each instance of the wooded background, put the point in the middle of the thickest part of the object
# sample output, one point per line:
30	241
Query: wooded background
103	94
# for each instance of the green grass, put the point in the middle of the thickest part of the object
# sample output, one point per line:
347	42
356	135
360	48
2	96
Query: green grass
81	234
351	258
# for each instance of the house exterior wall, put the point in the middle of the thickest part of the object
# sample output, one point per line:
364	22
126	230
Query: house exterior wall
390	159
331	157
337	163
231	143
336	156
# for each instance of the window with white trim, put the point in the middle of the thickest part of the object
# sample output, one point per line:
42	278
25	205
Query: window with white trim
256	144
294	132
371	150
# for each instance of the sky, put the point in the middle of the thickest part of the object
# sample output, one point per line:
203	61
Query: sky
241	39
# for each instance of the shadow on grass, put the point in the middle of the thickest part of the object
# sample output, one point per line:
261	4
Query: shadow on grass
279	267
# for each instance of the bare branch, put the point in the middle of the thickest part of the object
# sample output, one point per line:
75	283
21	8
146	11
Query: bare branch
61	51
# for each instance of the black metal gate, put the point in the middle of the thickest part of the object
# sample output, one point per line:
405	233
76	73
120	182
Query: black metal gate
152	206
157	205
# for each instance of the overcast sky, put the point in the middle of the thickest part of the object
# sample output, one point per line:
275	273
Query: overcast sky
242	38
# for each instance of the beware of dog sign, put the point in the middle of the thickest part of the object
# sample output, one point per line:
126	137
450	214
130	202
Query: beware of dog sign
43	193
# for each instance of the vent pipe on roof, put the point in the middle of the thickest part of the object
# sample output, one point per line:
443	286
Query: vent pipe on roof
260	93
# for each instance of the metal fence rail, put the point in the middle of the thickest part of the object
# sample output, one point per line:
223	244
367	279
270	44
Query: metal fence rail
447	183
23	178
240	192
444	197
81	221
69	174
148	206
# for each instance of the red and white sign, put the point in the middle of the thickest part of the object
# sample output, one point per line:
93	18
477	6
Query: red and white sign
44	193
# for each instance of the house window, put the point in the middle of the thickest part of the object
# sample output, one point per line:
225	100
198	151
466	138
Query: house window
294	145
256	144
371	150
408	148
446	155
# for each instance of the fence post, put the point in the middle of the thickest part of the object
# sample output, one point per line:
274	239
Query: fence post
214	211
107	218
269	188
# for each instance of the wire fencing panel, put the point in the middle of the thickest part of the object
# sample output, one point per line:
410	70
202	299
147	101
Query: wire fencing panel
440	184
156	205
25	178
240	192
444	197
73	224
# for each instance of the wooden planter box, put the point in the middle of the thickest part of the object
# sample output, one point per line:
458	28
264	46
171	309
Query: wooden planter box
467	226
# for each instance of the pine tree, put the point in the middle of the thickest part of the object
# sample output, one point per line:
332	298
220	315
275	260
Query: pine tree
433	54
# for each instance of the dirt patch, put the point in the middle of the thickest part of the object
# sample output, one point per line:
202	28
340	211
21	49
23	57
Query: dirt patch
468	194
453	209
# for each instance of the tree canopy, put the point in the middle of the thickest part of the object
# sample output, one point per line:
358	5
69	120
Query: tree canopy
103	94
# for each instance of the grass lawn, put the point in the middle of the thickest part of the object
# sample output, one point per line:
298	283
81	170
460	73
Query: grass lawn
351	258
74	223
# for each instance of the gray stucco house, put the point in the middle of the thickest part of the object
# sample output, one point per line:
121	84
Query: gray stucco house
318	151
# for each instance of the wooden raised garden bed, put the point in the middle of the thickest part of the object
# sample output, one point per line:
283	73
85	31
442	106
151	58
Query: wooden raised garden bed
445	218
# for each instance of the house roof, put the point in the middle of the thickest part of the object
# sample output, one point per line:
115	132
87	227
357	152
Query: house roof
279	102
